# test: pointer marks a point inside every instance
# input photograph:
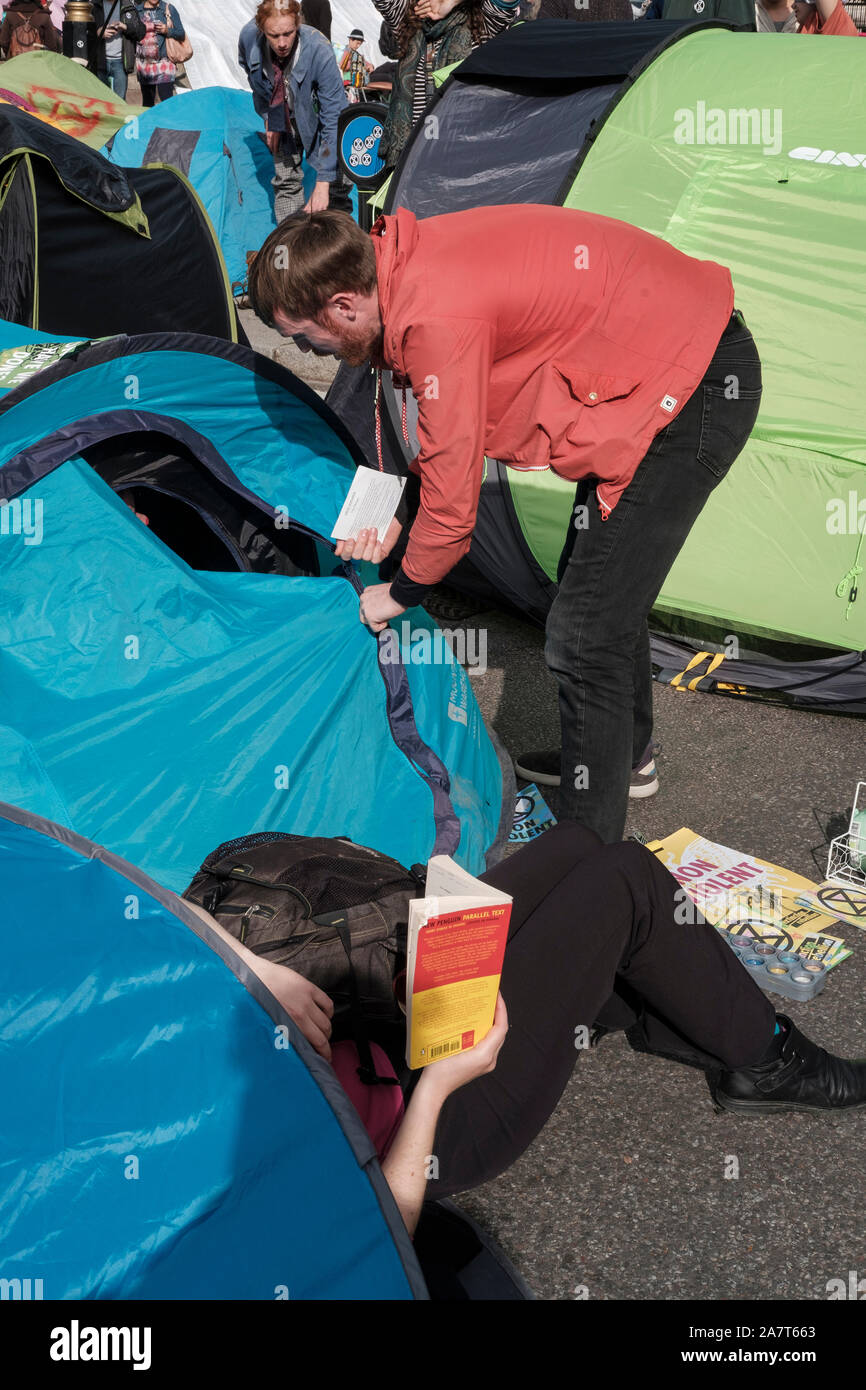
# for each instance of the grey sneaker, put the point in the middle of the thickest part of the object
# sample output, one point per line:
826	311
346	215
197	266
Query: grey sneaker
543	769
644	777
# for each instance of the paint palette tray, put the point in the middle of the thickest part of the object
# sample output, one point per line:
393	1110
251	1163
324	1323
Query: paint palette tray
781	972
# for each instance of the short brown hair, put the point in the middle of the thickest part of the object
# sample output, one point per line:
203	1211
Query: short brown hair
273	9
308	259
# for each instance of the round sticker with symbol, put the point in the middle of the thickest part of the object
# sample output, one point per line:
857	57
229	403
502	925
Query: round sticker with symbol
524	806
359	146
847	902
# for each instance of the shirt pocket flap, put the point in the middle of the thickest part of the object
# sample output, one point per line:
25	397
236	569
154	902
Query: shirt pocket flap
593	388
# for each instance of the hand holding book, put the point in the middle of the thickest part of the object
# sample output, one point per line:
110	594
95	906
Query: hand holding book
450	1073
405	1167
456	943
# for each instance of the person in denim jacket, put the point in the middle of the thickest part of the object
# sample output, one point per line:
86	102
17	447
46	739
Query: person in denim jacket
298	88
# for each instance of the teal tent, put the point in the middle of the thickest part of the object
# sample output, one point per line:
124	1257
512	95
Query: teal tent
215	139
176	682
170	1133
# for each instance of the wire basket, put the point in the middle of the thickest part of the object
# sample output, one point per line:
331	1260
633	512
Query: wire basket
846	862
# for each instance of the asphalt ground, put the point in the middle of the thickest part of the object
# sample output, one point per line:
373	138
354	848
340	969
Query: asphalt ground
624	1194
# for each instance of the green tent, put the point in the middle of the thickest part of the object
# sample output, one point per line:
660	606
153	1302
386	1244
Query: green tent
64	94
781	200
738	150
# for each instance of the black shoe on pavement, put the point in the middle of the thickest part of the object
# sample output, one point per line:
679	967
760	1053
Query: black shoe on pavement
800	1076
541	768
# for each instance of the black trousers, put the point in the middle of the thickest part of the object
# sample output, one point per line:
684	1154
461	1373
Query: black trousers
611	573
593	940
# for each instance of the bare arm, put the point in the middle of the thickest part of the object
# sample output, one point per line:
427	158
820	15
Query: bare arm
307	1005
405	1167
834	10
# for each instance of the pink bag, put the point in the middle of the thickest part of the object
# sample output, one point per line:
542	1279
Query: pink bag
380	1108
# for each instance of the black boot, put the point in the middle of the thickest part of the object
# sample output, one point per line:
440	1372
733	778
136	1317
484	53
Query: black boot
800	1076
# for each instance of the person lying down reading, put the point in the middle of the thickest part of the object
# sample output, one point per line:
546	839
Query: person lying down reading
593	942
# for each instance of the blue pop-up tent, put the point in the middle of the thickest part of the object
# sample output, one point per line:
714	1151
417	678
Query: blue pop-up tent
170	1134
161	701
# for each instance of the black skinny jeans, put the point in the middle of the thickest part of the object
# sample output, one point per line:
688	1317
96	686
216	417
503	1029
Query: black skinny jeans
592	926
610	576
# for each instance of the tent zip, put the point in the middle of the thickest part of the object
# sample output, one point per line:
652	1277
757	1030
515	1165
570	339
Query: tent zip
163	425
209	521
35	317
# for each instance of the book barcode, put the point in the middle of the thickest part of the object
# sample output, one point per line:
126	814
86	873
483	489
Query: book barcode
453	1046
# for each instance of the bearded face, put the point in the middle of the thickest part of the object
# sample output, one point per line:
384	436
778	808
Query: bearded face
356	342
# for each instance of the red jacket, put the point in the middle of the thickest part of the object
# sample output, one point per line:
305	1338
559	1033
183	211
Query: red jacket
541	336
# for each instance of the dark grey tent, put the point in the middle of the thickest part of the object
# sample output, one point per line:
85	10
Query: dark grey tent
89	250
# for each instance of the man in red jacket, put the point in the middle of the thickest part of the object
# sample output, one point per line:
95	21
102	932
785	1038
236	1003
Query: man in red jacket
547	338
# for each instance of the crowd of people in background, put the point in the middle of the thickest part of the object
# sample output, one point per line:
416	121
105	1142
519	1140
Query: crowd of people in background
148	38
132	36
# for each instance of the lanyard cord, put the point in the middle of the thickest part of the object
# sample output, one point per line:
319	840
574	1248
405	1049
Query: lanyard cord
403	419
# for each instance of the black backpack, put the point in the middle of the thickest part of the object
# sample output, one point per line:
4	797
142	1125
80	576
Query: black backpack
332	910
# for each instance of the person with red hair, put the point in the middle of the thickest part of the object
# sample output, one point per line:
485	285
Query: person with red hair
298	88
547	338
